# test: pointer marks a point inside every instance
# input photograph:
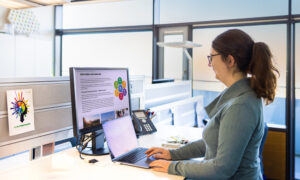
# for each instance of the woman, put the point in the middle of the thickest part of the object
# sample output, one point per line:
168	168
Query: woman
231	139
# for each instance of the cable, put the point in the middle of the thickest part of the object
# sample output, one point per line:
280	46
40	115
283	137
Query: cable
83	141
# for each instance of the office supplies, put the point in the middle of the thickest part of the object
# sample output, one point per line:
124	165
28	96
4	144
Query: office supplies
142	123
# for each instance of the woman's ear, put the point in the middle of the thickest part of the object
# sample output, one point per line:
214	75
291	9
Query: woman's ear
230	61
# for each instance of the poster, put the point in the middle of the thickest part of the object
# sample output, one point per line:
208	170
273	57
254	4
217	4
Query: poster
20	111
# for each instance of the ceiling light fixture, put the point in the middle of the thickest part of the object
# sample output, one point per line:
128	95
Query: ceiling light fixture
21	4
14	4
50	2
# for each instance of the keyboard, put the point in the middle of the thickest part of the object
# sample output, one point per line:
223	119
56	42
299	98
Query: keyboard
134	156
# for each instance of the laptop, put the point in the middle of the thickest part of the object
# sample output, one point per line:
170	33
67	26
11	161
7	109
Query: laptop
122	143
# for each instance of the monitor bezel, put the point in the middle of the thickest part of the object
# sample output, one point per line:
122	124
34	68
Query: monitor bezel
79	132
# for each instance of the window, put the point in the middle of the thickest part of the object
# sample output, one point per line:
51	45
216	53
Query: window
27	55
107	14
176	11
204	76
173	61
132	50
295	7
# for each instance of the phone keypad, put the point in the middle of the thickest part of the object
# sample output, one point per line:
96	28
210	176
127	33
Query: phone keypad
147	127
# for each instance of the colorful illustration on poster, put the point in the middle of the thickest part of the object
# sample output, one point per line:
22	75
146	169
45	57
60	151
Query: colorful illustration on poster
20	111
120	88
20	106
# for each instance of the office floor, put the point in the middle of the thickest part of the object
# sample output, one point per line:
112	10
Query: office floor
297	167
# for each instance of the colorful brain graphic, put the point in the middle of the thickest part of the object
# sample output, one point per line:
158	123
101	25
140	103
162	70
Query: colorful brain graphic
120	88
20	106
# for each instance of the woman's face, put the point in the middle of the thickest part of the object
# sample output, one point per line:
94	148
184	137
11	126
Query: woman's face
219	66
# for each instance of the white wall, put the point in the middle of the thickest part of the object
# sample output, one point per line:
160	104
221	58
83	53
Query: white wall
28	56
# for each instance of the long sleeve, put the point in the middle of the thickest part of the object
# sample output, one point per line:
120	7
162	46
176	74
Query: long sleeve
192	150
236	128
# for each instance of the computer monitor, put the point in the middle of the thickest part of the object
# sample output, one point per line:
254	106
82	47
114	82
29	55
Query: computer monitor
98	94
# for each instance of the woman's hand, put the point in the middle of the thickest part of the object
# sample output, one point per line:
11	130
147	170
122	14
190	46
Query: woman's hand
160	165
159	153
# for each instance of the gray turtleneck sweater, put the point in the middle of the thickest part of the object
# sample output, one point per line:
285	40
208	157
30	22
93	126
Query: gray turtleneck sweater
231	139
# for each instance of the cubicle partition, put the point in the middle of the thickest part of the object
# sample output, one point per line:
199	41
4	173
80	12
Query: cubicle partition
172	104
164	93
186	112
137	83
52	113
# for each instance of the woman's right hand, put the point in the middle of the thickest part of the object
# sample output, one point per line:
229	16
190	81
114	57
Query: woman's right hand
159	153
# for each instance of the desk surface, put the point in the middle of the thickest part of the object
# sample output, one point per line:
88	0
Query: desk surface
68	165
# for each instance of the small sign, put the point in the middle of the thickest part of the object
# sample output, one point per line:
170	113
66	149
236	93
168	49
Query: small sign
20	111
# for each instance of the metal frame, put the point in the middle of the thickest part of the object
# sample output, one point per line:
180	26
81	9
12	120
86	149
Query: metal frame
290	97
57	62
289	20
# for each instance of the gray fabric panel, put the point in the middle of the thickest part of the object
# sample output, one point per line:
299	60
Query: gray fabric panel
45	121
43	94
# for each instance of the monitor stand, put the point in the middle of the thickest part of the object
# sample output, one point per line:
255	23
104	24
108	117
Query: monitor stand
99	147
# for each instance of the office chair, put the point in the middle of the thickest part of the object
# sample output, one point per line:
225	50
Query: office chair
261	147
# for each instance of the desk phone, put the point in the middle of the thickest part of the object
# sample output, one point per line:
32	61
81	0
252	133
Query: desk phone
142	123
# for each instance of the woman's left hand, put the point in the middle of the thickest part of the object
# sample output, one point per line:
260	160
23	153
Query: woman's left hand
160	165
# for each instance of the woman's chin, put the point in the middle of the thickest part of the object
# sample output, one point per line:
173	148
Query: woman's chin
217	77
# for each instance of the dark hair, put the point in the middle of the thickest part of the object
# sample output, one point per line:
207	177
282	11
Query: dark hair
251	58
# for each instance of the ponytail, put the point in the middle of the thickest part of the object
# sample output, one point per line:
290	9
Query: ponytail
263	73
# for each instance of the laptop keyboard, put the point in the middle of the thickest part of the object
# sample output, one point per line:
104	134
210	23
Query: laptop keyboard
134	156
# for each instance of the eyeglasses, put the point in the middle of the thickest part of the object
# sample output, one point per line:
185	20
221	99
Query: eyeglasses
210	58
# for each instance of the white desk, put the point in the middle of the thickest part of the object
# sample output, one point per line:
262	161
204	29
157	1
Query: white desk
68	165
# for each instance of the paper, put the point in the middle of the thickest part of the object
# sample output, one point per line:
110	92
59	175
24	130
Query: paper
20	111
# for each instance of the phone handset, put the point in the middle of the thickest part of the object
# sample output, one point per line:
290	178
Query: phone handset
142	123
137	126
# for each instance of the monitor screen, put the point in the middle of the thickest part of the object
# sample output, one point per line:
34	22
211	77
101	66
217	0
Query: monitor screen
98	94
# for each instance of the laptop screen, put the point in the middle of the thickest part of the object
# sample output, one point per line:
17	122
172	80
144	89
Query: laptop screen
120	135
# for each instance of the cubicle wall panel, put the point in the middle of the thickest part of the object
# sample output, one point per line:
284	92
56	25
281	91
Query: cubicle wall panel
46	122
52	113
44	94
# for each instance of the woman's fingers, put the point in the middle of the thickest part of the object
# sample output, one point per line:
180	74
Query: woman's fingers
160	165
149	150
152	151
155	163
